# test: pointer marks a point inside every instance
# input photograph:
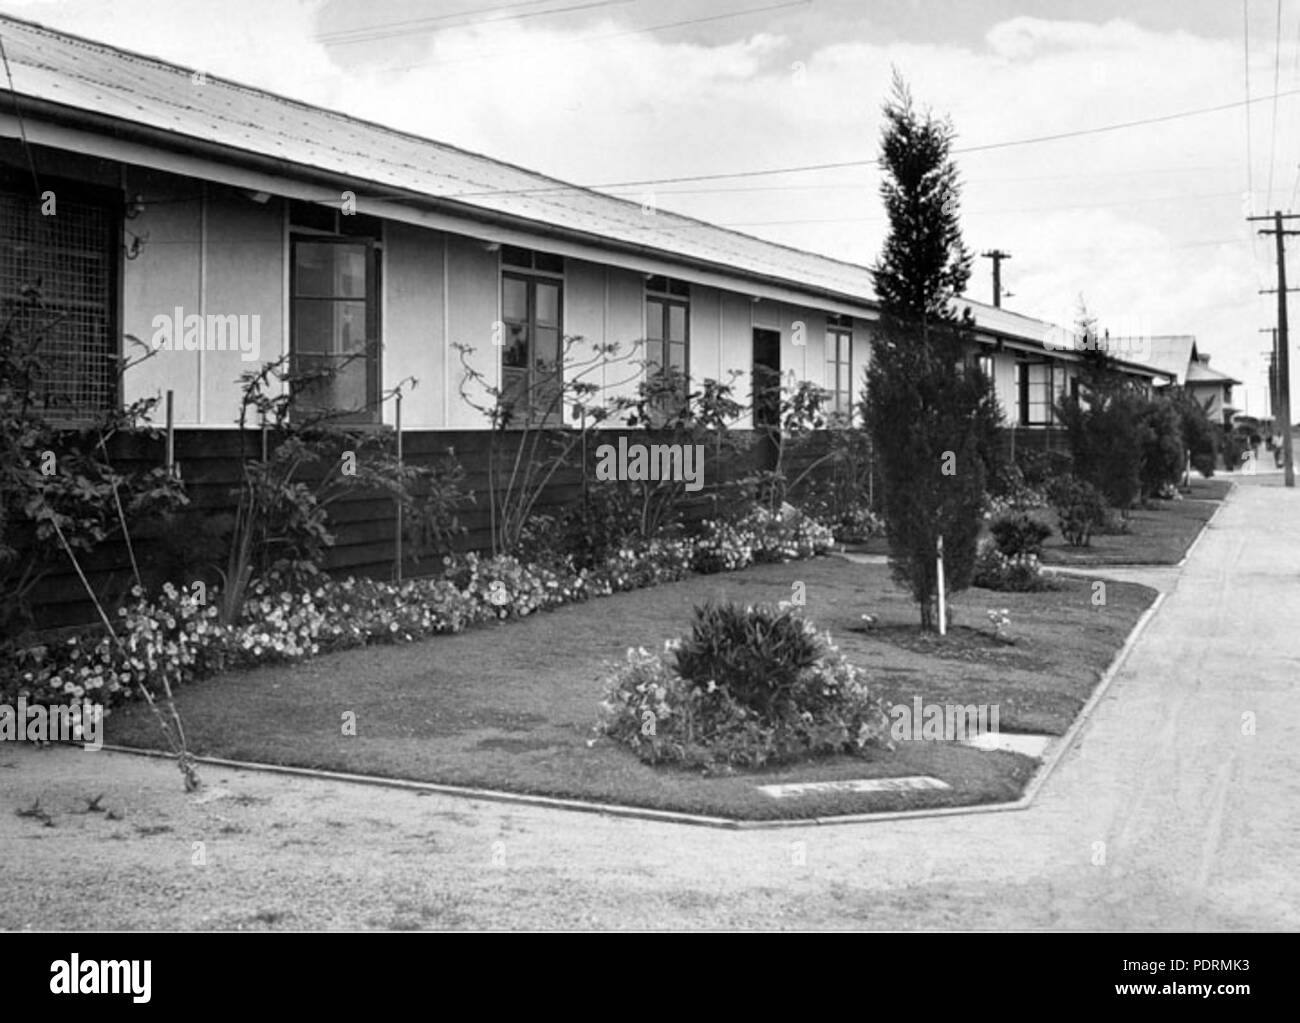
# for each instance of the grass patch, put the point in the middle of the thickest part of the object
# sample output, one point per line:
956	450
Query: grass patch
1214	489
512	705
1158	535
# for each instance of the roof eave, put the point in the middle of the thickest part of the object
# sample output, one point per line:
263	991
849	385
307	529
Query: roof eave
135	132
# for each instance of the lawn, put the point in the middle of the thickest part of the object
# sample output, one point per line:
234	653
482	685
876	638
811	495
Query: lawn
1158	535
1156	538
512	706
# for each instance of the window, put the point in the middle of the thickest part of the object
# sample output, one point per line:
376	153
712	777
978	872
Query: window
71	257
527	259
321	217
1036	390
839	368
667	331
335	325
532	311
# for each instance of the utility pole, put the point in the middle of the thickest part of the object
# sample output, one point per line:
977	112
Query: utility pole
1283	355
1272	371
997	255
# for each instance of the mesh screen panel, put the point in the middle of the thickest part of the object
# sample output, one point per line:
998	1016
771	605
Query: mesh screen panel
68	258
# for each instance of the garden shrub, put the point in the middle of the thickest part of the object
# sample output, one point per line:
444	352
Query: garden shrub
761	536
750	686
61	498
180	636
1079	506
758	654
1163	454
1015	573
1019	533
1200	437
1234	449
1037	466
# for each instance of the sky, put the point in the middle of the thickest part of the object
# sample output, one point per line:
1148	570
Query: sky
1145	223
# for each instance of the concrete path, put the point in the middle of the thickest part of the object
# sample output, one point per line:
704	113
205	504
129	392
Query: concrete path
1178	808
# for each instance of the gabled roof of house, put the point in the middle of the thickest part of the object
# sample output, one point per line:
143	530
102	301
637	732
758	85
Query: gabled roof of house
1200	373
1172	354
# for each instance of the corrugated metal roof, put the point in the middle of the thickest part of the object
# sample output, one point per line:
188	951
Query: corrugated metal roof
94	77
1171	354
1200	373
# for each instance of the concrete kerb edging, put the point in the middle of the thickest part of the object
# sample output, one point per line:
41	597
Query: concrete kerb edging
1206	527
1043	771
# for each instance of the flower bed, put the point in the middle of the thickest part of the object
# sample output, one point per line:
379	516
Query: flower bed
178	635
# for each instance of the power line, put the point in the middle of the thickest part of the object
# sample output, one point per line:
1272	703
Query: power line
376	33
347	35
839	165
1277	68
597	37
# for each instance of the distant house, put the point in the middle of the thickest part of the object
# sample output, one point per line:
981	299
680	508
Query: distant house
1177	355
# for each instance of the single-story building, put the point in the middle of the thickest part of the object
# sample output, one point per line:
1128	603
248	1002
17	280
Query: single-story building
184	230
222	225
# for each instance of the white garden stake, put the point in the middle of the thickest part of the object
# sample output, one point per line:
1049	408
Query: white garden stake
943	611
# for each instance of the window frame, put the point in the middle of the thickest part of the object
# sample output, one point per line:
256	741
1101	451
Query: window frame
371	414
1024	395
836	331
673	294
531	276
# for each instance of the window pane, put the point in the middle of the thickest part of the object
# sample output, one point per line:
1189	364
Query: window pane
325	270
677	322
654	356
546	353
548	304
310	214
548	262
334	328
512	256
515	352
654	320
514	298
677	356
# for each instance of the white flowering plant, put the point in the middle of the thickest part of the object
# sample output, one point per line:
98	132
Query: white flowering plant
749	687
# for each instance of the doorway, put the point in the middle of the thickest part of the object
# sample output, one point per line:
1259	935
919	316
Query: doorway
766	385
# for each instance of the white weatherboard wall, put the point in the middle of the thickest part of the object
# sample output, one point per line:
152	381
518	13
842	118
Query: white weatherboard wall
243	275
414	306
738	347
164	275
584	320
218	254
473	282
625	326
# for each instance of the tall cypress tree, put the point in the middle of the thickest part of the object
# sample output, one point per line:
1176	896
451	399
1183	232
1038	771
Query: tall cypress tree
929	411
